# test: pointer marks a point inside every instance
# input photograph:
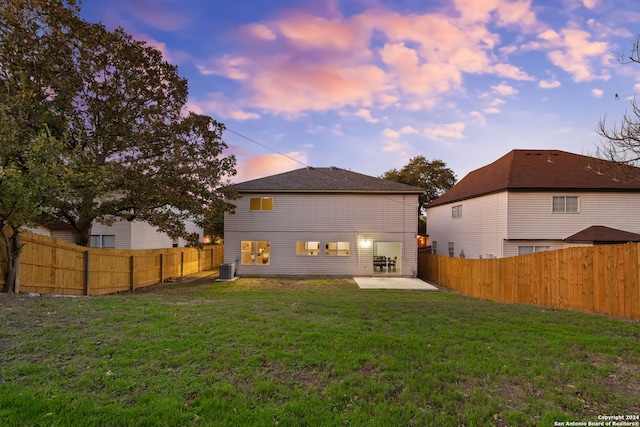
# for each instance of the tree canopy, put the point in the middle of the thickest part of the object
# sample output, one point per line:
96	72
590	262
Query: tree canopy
433	176
32	165
95	128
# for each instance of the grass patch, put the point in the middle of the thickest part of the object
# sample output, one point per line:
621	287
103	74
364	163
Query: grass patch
289	352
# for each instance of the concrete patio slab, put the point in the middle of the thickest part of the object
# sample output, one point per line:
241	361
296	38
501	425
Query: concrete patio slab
404	283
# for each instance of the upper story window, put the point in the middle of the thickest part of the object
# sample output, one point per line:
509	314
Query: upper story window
261	203
456	211
565	204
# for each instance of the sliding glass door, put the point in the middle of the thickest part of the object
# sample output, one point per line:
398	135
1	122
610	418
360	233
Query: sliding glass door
387	257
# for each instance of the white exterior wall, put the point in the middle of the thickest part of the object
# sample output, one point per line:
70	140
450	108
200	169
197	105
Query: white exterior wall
480	231
526	219
323	218
140	235
531	216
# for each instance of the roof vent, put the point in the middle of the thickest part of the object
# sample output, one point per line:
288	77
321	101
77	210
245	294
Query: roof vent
333	168
309	168
549	159
589	166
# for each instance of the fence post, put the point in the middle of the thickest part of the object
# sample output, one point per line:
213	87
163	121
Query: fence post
199	256
161	268
132	273
87	271
181	263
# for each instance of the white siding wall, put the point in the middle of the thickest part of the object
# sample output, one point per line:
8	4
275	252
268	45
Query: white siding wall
499	223
480	230
324	218
120	229
66	235
140	235
530	215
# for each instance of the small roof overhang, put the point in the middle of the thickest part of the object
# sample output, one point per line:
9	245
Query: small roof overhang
603	235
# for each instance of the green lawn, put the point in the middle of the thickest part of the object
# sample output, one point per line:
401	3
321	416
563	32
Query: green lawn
317	352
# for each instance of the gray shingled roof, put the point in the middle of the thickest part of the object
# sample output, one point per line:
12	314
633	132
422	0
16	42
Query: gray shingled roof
539	170
324	180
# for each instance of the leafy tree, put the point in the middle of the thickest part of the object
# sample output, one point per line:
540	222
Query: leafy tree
133	151
434	177
32	170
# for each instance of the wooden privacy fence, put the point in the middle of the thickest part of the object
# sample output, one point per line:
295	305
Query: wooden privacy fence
53	266
601	279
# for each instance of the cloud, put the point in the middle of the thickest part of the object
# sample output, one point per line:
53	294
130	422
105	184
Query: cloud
504	89
270	164
597	93
390	133
575	53
408	129
396	146
549	84
511	72
590	4
219	105
503	12
366	115
478	118
393	134
260	31
372	59
445	131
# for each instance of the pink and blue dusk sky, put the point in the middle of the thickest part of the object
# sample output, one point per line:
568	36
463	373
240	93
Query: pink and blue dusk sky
366	85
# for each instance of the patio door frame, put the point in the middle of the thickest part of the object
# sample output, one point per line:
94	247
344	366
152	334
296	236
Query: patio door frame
387	250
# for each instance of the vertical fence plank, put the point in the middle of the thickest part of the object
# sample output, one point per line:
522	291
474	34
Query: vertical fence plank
87	272
132	273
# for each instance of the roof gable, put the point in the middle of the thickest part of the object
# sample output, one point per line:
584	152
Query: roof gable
324	180
543	170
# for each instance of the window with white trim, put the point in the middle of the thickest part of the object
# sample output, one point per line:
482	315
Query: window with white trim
337	248
308	248
456	211
261	203
102	241
524	250
565	204
255	252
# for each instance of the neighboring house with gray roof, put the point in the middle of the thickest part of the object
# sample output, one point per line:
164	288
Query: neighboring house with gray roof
325	222
533	200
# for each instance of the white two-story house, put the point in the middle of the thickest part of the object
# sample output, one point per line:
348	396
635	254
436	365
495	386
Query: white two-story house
323	222
534	200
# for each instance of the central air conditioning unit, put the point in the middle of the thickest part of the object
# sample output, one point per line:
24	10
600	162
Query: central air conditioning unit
227	271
